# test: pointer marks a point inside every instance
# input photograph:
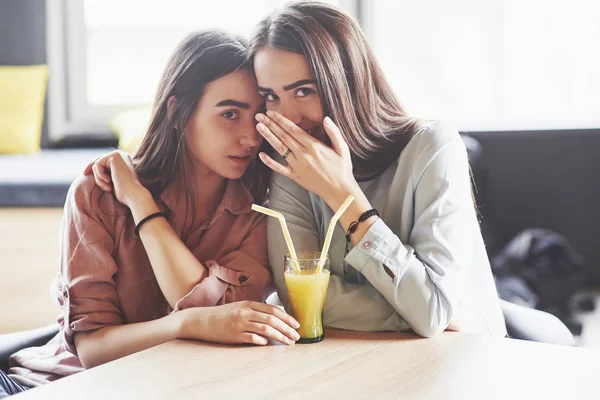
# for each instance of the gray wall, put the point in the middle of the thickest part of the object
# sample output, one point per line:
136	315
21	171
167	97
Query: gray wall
547	179
23	36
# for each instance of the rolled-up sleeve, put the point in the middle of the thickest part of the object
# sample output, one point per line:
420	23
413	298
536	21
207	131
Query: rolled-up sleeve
239	275
85	287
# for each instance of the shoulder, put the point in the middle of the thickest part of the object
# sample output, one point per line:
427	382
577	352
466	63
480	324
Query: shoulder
434	141
433	137
84	196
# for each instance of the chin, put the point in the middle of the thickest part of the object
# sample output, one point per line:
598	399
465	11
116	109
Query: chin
233	174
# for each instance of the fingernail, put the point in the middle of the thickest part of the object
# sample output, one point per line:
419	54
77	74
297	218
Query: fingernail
260	117
328	121
296	324
296	336
260	127
270	113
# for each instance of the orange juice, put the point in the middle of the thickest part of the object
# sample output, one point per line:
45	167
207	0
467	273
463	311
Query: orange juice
307	293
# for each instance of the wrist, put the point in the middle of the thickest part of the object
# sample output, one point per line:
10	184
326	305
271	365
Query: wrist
136	194
189	323
141	204
336	197
181	323
173	326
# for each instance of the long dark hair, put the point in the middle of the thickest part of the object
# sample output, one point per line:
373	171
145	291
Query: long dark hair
350	82
163	156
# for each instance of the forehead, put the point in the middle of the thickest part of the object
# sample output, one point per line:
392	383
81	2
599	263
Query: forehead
239	85
276	68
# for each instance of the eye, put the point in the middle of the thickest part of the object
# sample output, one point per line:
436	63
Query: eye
303	92
270	97
231	115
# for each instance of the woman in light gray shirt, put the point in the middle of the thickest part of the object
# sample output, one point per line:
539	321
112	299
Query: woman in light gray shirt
421	264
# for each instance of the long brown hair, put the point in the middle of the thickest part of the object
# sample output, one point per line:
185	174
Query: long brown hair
350	82
163	156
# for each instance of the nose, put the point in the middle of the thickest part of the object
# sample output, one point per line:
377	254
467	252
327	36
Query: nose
250	136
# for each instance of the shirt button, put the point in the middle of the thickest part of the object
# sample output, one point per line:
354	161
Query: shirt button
367	245
243	279
65	294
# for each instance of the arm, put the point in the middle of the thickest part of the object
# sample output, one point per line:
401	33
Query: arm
242	274
113	342
347	306
240	322
176	269
184	280
425	282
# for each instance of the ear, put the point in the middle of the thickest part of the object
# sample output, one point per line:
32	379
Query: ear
171	108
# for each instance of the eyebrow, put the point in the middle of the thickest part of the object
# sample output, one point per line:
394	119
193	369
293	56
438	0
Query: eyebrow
234	103
291	86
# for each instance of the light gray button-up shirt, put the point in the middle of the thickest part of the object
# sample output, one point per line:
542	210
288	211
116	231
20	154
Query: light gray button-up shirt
428	236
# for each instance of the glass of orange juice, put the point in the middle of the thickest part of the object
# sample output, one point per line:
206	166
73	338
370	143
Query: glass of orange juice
307	291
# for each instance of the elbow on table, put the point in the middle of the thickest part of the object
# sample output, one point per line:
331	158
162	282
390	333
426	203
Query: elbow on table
88	362
429	331
434	324
86	352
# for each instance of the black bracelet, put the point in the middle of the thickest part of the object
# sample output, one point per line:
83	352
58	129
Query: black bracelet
354	226
148	218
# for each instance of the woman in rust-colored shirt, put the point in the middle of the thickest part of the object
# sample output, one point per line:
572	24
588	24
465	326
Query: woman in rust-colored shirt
197	270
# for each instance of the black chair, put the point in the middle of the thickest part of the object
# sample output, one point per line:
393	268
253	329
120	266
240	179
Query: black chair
521	322
10	343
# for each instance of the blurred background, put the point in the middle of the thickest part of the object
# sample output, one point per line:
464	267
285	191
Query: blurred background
520	80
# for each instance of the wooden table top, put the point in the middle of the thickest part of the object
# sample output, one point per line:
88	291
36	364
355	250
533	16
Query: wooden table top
349	365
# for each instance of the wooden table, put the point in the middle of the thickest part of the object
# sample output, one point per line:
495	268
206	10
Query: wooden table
349	365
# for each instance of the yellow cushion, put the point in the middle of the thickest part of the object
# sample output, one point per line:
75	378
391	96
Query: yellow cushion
22	94
130	128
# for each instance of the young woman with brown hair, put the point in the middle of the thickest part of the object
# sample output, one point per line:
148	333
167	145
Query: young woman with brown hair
415	257
175	250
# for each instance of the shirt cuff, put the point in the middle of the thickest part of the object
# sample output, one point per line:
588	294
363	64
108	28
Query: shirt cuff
378	241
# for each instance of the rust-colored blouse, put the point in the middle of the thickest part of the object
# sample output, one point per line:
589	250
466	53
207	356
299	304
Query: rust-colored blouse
105	276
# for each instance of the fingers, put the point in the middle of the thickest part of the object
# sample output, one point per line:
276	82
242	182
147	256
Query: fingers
291	129
337	140
269	129
277	312
253	338
88	169
276	323
101	177
275	166
267	331
273	140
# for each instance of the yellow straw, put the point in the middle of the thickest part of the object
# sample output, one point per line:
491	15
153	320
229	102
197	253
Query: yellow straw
332	223
286	232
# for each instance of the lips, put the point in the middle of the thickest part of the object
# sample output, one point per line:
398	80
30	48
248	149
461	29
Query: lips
241	160
249	155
